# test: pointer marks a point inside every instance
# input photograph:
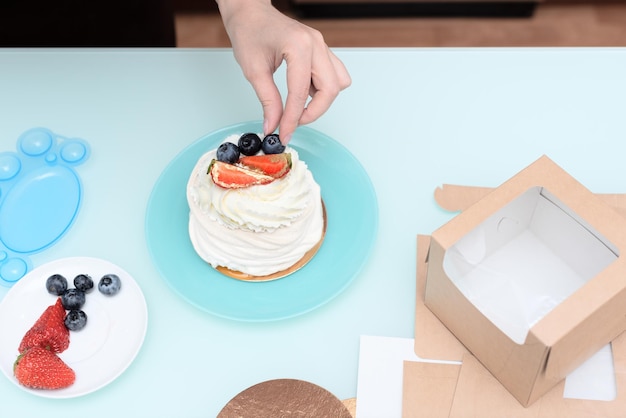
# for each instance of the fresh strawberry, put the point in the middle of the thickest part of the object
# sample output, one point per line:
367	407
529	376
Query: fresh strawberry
49	331
38	368
275	165
230	176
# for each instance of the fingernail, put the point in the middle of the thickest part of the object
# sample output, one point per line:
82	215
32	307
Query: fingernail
286	139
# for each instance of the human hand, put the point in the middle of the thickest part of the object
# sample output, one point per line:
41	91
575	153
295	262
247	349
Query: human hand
262	38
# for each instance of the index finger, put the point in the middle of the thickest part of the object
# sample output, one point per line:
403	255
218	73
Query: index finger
298	84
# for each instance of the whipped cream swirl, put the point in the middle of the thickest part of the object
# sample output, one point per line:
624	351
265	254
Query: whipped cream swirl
257	230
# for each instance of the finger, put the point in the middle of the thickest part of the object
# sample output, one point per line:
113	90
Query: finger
330	77
298	85
270	98
342	72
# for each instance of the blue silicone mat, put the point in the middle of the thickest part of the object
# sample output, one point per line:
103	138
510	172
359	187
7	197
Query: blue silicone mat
40	196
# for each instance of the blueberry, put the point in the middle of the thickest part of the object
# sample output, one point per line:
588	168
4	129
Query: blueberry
83	282
271	144
75	320
73	299
228	153
249	144
56	284
109	284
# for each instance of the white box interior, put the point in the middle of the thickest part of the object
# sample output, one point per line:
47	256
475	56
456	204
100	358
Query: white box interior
525	259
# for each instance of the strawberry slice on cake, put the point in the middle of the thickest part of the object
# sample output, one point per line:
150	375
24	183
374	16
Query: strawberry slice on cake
250	170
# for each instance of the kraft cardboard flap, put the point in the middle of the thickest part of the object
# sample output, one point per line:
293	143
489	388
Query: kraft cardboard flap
457	198
479	394
475	393
428	389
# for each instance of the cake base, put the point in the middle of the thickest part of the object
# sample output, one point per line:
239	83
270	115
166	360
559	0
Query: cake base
279	274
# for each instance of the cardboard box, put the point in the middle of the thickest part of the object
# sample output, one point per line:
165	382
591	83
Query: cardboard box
530	279
431	389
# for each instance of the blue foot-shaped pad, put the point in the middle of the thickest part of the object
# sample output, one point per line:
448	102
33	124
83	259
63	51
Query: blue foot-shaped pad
40	194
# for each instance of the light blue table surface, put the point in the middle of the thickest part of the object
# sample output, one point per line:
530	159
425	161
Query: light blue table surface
415	118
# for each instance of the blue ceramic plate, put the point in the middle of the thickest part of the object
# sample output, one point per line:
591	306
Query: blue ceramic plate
352	214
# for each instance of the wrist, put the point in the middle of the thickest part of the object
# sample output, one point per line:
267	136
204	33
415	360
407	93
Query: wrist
229	7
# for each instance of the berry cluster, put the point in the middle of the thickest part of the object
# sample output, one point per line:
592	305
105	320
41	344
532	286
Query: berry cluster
74	298
249	144
38	365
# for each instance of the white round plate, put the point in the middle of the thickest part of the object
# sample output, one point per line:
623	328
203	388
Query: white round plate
100	352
